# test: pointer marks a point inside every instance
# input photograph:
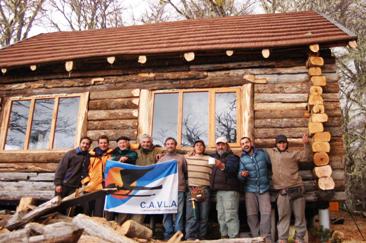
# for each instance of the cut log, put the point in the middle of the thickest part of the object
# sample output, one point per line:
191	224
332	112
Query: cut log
111	59
189	56
280	123
265	53
229	53
315	99
132	229
321	117
314	47
318	109
249	77
315	127
25	204
323	171
319	80
316	90
103	231
34	232
326	183
69	66
321	147
322	137
315	71
314	61
142	59
176	238
321	159
352	44
273	132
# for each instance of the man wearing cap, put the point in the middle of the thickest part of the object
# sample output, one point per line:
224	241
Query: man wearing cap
254	172
225	182
289	186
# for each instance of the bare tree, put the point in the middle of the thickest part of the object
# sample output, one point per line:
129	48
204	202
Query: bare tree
17	18
85	14
196	9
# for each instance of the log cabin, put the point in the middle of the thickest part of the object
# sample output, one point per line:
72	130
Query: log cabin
253	75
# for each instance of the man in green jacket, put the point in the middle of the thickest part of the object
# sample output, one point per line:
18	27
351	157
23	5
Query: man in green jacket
288	184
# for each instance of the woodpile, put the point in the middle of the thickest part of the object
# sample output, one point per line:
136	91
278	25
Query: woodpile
54	227
321	139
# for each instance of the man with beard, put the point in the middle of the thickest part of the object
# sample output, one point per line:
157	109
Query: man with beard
254	172
72	168
225	182
289	186
171	227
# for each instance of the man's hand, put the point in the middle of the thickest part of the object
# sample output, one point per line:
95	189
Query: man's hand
158	156
58	189
244	173
219	165
123	159
305	138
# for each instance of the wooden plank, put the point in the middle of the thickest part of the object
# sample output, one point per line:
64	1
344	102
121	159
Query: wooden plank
269	114
282	88
284	78
330	97
112	134
280	123
28	167
114	94
41	157
43	177
331	88
248	112
284	98
145	112
273	132
29	125
113	124
337	162
112	114
112	104
270	142
338	174
279	106
15	176
53	124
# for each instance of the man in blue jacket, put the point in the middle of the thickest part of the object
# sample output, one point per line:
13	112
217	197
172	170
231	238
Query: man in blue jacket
254	172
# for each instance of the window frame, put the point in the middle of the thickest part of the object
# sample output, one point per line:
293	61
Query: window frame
80	125
211	111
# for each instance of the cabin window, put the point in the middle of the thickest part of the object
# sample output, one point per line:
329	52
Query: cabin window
188	115
43	122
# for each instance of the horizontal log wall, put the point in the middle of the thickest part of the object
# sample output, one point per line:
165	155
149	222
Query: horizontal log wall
279	107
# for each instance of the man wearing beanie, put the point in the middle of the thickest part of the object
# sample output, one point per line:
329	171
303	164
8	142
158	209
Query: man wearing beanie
289	186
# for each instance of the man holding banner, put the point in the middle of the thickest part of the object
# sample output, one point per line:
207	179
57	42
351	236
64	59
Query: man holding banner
151	189
171	227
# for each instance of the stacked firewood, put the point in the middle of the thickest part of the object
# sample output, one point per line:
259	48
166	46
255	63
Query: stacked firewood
318	116
43	224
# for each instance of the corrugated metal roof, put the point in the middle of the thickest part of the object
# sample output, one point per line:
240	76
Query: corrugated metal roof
241	32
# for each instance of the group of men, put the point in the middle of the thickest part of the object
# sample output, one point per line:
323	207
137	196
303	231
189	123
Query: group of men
262	173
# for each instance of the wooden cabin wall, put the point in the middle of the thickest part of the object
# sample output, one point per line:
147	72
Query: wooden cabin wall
279	107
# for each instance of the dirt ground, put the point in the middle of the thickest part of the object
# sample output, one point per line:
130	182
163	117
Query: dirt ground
349	228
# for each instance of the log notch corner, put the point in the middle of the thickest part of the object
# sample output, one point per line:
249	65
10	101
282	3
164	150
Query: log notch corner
320	138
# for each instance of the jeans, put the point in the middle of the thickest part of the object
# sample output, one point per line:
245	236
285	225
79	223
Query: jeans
170	227
259	205
227	207
197	219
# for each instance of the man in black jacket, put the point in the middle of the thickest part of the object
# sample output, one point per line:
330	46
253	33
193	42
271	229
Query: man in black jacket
72	168
226	184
